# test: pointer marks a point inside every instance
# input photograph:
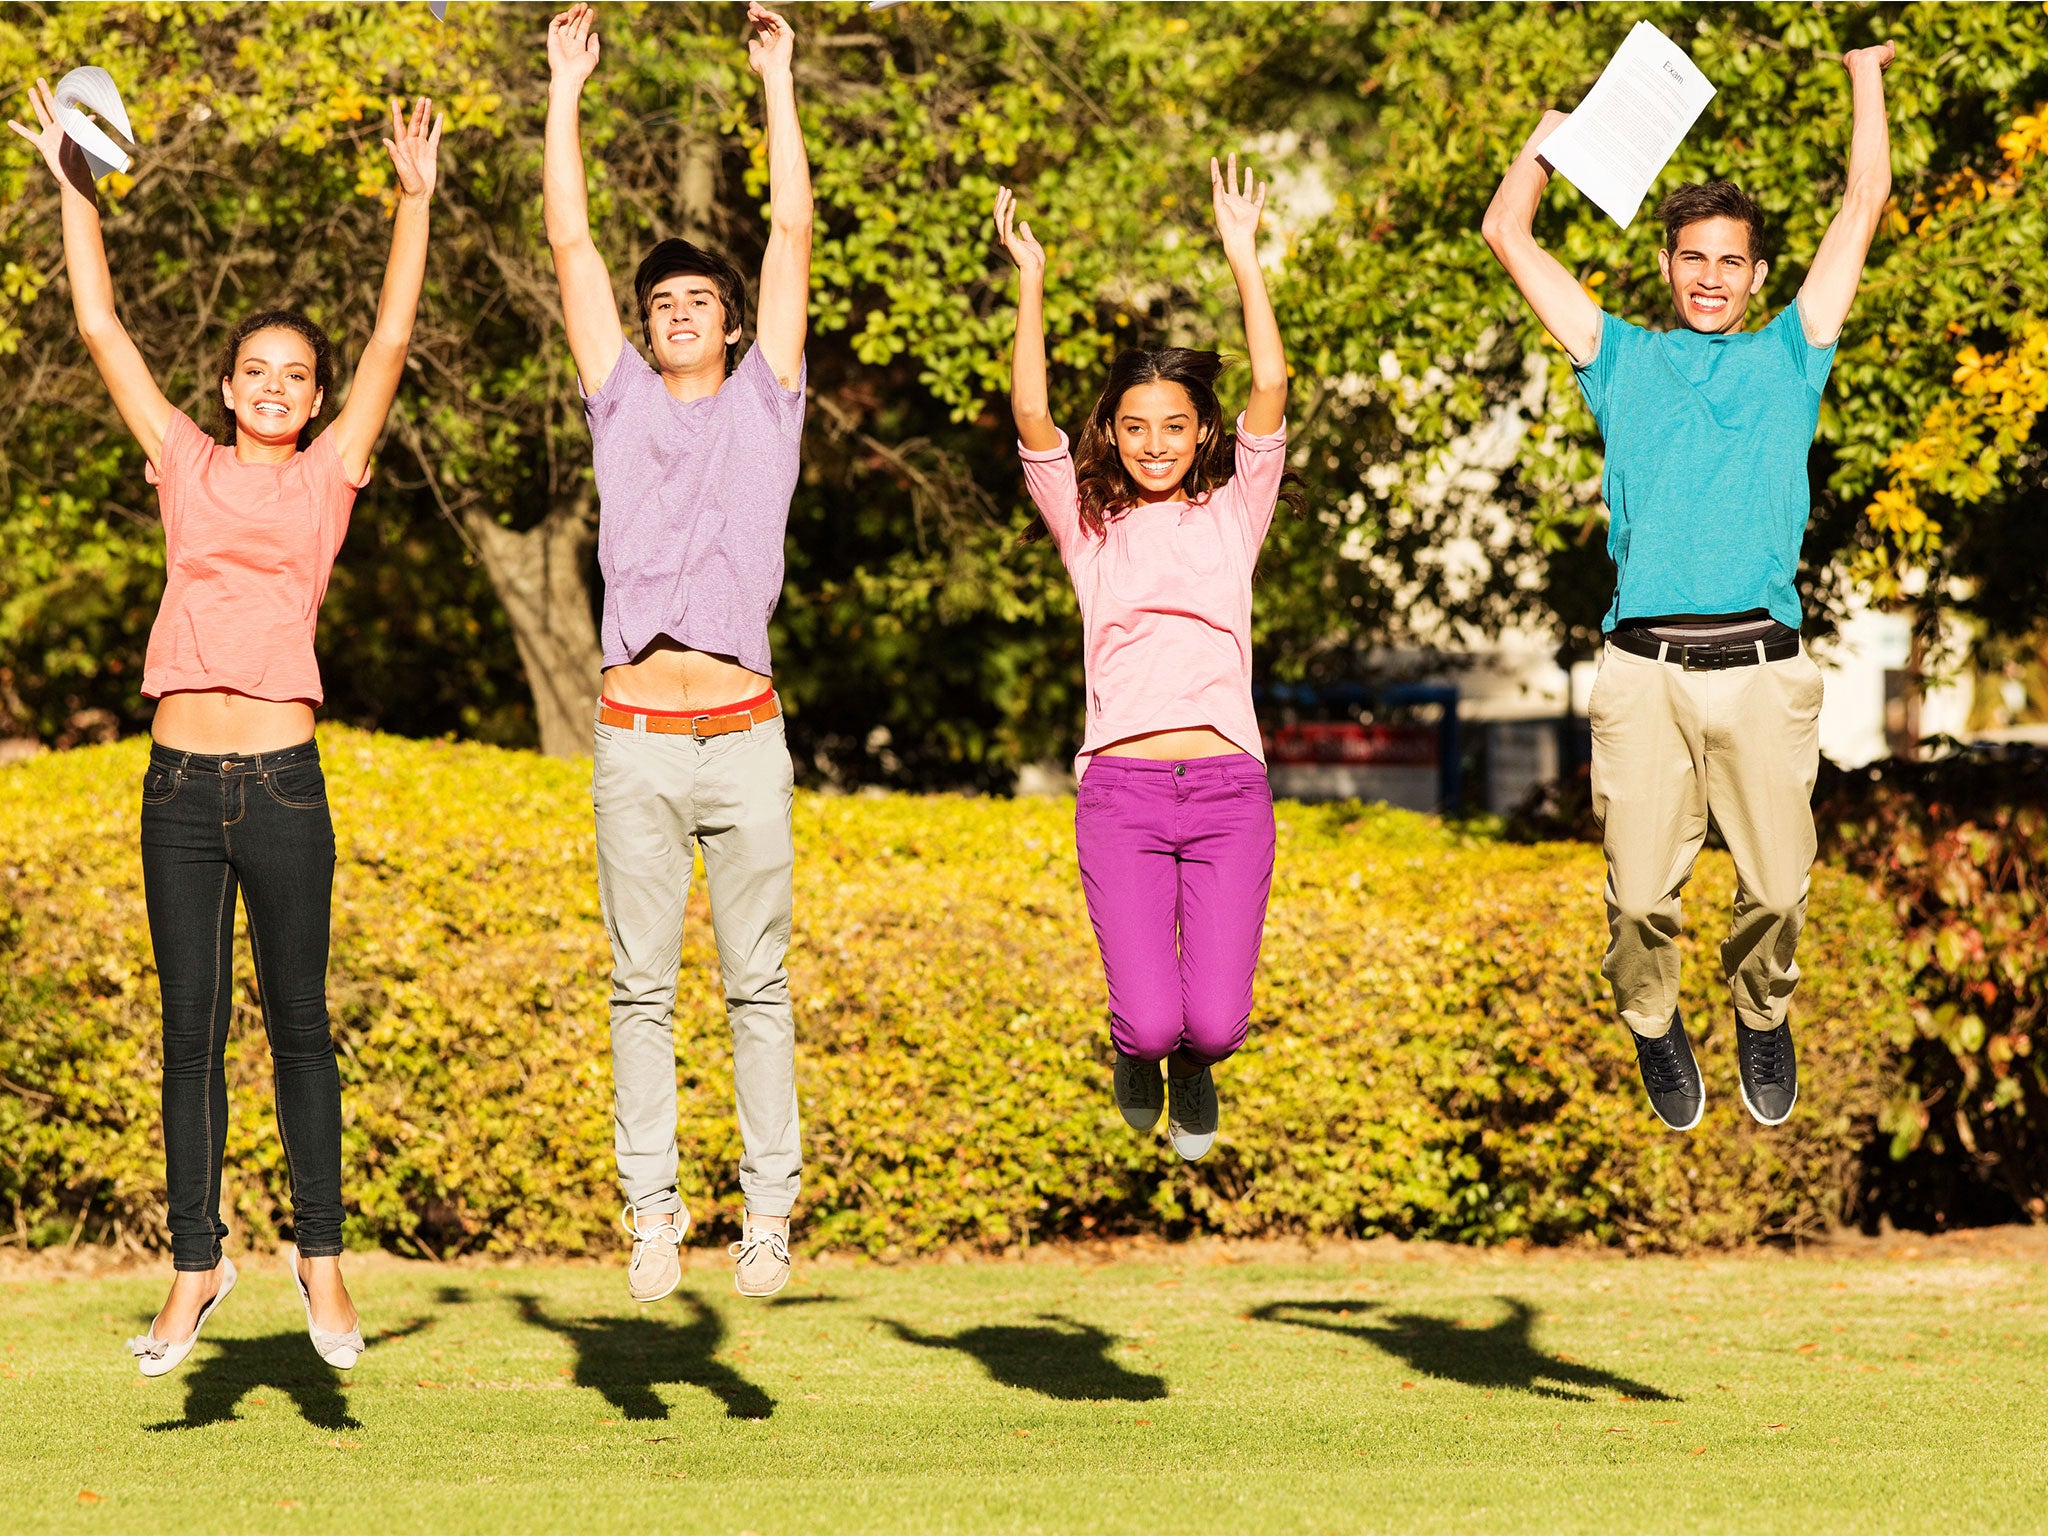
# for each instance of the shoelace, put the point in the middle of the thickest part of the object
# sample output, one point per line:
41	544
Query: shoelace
770	1238
1663	1066
1185	1094
667	1232
1764	1050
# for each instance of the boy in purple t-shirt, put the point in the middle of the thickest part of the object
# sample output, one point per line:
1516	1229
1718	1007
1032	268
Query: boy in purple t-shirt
695	468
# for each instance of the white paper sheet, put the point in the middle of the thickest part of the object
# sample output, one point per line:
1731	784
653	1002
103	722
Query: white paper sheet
1638	112
93	87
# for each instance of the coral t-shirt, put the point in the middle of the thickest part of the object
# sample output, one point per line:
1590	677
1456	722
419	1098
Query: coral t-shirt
247	552
1166	596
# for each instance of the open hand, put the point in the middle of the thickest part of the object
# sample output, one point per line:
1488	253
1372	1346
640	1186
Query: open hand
572	46
64	158
1237	208
415	146
1881	56
1017	239
773	45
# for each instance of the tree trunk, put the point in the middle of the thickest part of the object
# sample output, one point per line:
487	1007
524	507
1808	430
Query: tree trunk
543	578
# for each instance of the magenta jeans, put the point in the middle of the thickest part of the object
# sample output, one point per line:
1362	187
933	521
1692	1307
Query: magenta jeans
1177	861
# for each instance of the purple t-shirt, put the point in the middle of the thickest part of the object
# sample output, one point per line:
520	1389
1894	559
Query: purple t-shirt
693	501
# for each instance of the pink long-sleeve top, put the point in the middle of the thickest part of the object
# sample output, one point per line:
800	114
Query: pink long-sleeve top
1166	597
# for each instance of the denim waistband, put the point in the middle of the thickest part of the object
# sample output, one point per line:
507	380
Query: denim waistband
1223	765
161	756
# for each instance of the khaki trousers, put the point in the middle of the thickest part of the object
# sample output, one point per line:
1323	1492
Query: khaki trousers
659	799
1671	749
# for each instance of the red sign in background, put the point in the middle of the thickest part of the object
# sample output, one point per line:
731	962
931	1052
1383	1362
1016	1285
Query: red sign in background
1347	741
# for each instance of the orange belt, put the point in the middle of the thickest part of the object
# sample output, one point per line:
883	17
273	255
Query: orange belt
668	723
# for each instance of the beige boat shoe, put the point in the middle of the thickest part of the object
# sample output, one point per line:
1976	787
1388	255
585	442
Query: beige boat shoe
762	1256
656	1267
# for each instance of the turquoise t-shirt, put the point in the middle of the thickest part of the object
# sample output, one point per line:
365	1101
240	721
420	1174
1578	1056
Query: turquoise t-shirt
1707	438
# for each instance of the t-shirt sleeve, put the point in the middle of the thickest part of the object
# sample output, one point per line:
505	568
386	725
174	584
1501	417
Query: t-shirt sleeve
629	374
1049	478
334	493
1618	342
784	407
1255	482
180	460
1812	363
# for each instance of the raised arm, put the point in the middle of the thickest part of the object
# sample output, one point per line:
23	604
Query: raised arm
786	265
1028	399
1509	227
1837	270
590	312
1237	221
136	396
414	147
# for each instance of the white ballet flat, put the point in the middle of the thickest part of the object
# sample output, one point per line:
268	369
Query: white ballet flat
155	1357
340	1350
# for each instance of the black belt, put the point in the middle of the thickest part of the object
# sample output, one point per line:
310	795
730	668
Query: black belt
1716	657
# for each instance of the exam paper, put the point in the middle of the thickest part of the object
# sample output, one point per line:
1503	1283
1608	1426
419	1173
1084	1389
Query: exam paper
1626	129
91	86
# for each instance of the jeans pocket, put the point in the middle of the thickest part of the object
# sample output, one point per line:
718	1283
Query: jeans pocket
301	787
159	784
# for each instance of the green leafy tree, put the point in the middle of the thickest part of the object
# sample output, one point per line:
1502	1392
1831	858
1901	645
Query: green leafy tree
1453	473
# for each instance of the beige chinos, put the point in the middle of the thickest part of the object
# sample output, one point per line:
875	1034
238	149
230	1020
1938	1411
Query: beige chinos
658	798
1673	749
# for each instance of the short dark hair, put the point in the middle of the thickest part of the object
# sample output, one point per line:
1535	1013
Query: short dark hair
1711	200
277	320
679	258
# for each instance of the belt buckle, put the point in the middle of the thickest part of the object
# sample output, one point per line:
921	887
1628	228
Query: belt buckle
1716	658
696	721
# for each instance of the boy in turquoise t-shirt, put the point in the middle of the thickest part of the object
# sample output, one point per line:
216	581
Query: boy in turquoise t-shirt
1706	706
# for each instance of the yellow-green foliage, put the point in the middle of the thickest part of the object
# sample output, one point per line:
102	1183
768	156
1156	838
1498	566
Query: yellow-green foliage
1432	1050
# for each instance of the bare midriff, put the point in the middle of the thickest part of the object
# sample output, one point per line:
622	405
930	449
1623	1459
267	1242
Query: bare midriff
673	677
219	723
1173	746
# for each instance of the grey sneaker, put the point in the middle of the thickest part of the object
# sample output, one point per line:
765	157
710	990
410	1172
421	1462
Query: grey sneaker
1140	1093
1191	1114
762	1254
657	1264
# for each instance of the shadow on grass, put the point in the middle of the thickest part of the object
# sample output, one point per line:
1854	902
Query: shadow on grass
626	1358
233	1368
1060	1358
1502	1356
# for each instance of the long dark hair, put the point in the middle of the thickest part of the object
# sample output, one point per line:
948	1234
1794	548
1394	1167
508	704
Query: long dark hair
1106	488
277	320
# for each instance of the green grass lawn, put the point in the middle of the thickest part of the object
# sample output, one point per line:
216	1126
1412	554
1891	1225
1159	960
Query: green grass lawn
1177	1391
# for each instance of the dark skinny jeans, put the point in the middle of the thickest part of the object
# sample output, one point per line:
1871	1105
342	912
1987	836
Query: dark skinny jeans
211	825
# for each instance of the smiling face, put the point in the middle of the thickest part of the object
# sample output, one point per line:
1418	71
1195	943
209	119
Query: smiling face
1157	433
272	392
1712	274
686	325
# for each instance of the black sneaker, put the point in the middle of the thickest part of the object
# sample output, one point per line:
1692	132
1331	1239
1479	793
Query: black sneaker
1770	1072
1672	1076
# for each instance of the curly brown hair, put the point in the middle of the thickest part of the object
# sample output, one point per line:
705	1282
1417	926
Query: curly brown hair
277	320
1106	488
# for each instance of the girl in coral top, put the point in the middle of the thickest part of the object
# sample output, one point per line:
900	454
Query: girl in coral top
1159	515
234	796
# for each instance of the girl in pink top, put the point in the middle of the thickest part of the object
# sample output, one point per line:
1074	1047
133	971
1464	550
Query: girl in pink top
1159	517
234	797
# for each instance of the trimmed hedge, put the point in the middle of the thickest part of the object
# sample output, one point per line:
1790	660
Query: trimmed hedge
1432	1053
